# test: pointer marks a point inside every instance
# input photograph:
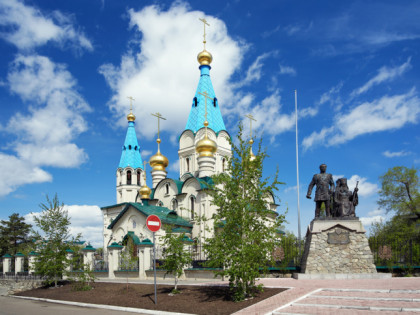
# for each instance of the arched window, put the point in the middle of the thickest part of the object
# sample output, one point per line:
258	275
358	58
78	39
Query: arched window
128	177
188	164
160	204
167	189
138	178
223	164
192	207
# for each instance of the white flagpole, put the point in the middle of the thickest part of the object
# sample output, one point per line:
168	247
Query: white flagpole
297	172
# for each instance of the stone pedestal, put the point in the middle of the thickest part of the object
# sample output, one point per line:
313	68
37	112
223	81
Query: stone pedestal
337	247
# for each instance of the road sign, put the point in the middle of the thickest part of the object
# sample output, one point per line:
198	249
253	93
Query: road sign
153	223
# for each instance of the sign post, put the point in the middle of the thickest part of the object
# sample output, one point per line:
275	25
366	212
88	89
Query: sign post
154	224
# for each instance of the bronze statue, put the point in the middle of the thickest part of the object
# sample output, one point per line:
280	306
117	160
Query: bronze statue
345	201
323	182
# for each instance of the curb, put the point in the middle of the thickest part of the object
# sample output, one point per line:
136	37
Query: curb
101	306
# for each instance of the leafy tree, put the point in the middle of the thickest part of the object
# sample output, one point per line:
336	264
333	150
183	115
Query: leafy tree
175	256
400	191
54	222
13	234
128	260
245	229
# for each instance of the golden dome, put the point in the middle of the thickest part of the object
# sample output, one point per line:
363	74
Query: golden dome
204	58
253	157
206	147
145	192
158	161
131	117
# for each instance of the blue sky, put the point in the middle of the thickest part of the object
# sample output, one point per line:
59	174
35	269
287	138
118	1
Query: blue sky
67	68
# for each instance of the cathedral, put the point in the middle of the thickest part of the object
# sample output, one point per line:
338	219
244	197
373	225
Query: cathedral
204	149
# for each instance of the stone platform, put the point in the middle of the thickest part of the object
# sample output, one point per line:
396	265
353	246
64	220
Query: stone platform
336	247
341	276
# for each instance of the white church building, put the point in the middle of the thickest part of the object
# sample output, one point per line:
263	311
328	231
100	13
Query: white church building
203	151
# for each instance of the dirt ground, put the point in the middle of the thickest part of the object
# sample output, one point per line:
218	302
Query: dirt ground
192	299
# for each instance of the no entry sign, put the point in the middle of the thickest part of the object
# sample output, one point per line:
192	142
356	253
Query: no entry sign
153	223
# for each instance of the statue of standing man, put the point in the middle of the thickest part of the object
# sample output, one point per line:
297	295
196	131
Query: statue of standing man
323	182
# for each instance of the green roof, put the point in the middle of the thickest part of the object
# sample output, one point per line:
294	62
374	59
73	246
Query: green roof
165	215
89	248
33	254
115	245
180	230
7	256
19	254
178	185
279	231
186	239
69	251
133	236
146	242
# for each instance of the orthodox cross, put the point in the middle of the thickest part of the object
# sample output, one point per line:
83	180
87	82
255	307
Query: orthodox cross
204	34
131	102
251	118
159	117
206	96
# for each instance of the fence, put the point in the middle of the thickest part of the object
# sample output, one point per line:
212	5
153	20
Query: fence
395	253
287	255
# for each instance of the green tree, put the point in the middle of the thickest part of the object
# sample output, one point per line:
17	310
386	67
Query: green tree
14	233
54	223
175	256
128	260
245	229
400	191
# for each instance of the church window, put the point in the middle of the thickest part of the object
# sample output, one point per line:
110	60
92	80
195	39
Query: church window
135	148
192	207
129	147
160	204
167	189
195	101
138	178
134	224
188	164
128	177
223	164
215	102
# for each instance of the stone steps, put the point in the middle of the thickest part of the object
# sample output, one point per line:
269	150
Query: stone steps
353	301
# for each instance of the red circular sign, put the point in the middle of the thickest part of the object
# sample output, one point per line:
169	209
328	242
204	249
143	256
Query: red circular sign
153	223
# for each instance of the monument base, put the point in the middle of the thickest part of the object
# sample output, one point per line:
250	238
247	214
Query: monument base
341	276
336	247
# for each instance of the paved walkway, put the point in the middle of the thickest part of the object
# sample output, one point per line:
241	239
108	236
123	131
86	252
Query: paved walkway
358	296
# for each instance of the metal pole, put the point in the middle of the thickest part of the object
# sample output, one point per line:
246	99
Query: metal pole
154	264
297	173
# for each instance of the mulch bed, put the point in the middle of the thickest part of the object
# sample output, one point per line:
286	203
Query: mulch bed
192	299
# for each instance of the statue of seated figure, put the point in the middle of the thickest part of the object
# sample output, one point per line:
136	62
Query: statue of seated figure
345	201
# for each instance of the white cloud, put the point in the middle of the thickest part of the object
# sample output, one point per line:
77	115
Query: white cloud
384	74
287	70
390	154
368	221
85	219
166	59
146	153
270	120
386	113
365	188
55	117
15	172
254	71
27	27
44	136
332	96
